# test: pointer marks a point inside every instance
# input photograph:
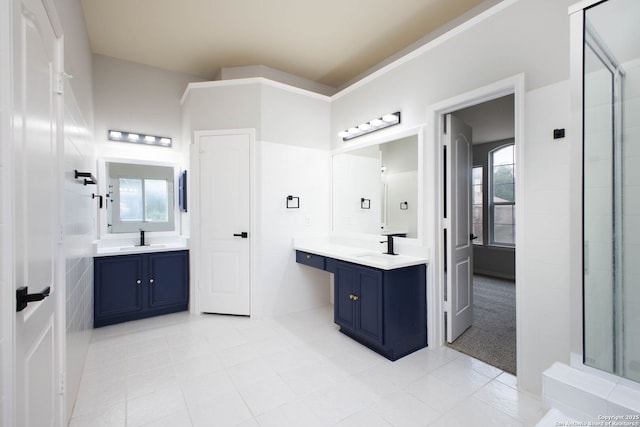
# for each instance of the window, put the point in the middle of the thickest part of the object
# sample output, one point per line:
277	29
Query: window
140	197
143	200
502	197
477	204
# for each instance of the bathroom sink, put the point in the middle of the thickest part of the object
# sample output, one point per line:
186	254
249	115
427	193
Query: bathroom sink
374	255
128	248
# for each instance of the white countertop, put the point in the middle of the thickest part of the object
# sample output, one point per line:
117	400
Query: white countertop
359	255
110	248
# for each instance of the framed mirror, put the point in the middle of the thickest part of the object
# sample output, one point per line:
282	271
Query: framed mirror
386	177
139	197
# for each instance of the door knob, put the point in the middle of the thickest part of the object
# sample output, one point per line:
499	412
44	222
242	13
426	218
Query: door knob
23	297
244	234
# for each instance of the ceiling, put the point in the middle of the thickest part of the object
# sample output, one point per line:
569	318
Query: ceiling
330	42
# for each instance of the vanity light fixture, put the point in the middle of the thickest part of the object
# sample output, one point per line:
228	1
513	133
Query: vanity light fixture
120	136
371	126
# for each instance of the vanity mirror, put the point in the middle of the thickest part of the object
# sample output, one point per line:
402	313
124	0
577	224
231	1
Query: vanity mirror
139	197
386	176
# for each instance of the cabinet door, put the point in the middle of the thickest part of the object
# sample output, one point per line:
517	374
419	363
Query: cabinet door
118	286
369	304
344	304
168	279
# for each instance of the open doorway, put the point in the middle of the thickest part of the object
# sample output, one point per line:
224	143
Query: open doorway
479	237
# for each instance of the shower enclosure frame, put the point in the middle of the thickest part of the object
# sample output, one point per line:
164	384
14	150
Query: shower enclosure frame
578	251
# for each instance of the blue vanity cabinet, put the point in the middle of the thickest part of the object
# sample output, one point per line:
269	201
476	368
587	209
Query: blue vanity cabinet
384	310
358	300
117	287
136	286
168	279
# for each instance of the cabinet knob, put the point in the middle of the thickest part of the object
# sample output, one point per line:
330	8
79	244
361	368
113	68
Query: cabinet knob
150	280
308	256
138	281
355	297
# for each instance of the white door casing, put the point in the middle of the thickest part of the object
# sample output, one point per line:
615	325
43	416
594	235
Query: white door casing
37	57
459	243
224	222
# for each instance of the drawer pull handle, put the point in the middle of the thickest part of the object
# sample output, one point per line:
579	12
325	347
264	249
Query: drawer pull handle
150	280
355	297
138	281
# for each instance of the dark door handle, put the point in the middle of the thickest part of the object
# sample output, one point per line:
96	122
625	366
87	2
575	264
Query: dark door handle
244	234
23	298
472	236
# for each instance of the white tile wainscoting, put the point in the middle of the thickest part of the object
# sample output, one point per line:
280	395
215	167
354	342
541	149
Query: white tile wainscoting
211	370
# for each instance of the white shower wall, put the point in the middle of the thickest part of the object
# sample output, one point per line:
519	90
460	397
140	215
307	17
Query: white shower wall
631	219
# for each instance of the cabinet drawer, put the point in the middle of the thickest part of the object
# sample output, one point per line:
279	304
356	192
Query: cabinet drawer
312	260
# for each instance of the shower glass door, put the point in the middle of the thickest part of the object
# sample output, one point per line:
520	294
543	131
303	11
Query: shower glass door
611	184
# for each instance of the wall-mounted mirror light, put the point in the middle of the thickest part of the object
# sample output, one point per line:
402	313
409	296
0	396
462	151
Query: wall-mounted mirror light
365	203
371	126
138	138
293	202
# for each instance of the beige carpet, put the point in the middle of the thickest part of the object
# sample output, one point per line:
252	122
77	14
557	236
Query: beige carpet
492	337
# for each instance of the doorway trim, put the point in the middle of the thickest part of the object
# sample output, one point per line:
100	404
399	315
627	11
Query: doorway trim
194	191
515	86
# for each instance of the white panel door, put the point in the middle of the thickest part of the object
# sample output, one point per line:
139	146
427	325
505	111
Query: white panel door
35	208
459	246
224	212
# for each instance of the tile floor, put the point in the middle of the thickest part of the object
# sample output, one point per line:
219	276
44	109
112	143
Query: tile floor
296	370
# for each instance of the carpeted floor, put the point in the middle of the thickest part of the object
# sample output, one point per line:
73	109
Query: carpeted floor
492	336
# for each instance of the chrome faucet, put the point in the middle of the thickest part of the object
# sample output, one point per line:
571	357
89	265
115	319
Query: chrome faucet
389	243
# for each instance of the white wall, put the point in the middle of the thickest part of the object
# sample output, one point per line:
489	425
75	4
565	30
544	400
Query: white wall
530	36
137	98
292	159
283	286
526	36
79	226
79	208
545	313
